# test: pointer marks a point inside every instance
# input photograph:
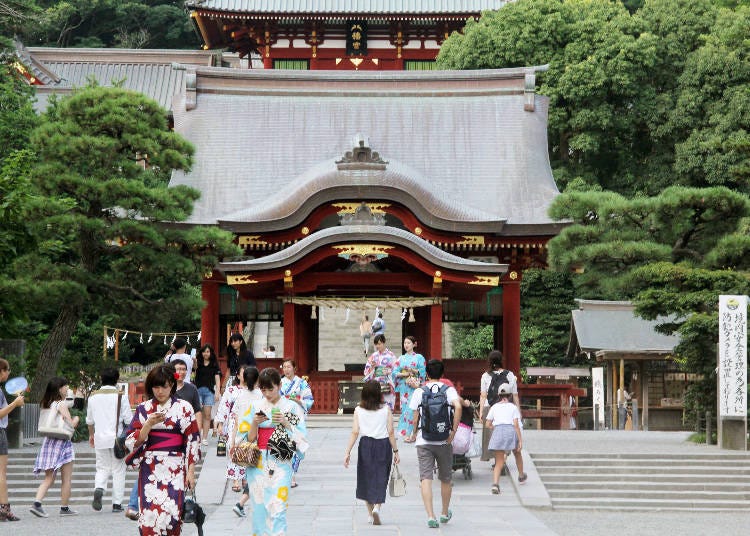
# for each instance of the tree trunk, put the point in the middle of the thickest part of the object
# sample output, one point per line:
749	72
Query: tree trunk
52	349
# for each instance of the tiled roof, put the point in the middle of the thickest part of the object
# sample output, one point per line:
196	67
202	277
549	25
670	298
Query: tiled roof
475	140
150	72
374	7
613	326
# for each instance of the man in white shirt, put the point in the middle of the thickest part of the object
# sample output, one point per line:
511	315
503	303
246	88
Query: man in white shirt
440	452
179	351
104	425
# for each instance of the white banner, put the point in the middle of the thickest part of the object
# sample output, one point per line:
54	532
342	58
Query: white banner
597	392
732	356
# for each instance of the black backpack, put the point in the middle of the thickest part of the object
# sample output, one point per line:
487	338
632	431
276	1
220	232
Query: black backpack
437	414
498	378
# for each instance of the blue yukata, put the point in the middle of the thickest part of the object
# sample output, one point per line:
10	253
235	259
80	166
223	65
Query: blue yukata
416	363
269	482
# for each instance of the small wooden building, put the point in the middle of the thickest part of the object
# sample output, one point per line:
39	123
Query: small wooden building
637	358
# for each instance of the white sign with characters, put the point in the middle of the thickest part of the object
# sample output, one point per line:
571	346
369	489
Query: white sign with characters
597	392
732	356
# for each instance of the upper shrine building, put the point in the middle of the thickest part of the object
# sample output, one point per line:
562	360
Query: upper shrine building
364	35
416	192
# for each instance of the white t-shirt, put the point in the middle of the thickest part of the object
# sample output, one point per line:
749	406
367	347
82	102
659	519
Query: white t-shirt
484	384
102	407
187	358
415	400
373	424
503	413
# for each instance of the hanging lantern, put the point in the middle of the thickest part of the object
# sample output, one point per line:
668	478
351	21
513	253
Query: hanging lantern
411	314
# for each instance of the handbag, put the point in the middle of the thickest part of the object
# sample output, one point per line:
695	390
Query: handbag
246	454
396	484
280	445
462	440
120	450
221	446
52	424
192	512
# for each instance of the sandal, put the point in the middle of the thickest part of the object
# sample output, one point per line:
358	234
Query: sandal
495	489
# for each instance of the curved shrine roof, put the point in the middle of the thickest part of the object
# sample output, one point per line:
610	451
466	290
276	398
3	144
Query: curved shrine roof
358	234
470	146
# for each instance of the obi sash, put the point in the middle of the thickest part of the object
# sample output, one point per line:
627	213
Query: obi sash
264	434
165	441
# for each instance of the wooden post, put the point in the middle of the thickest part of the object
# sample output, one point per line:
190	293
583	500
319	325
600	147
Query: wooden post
104	347
512	321
117	344
290	336
210	314
436	331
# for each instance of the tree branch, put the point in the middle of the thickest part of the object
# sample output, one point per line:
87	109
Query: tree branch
132	291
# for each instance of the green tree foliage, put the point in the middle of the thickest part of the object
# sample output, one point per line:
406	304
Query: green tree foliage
110	23
599	59
711	119
471	342
611	235
17	119
638	102
108	228
547	297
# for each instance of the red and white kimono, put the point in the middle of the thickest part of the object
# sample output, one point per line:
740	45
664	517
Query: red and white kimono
162	462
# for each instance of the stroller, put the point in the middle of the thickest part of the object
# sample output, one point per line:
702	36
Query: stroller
463	440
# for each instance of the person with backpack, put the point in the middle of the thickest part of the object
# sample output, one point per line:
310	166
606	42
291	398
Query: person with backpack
504	419
439	410
489	388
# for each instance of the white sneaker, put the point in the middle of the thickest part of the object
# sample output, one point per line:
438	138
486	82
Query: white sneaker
369	520
204	442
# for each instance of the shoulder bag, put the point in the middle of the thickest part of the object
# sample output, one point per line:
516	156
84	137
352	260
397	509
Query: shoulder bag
52	424
246	454
396	484
120	449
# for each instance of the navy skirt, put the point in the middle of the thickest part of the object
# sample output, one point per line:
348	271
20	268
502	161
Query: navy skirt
374	457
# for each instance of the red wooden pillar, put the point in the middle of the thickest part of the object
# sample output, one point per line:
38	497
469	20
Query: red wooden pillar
512	321
290	330
436	331
303	327
267	62
210	314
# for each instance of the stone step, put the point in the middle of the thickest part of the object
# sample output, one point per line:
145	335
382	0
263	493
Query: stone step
574	478
568	486
640	471
583	456
646	461
599	494
649	504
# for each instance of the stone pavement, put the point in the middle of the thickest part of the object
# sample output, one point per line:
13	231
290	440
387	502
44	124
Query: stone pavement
324	503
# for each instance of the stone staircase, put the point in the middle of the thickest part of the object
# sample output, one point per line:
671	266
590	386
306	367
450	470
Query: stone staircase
693	482
22	483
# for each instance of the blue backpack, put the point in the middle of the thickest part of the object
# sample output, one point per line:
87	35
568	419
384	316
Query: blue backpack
437	413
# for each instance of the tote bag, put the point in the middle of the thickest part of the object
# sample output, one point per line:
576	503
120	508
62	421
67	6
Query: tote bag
51	424
396	484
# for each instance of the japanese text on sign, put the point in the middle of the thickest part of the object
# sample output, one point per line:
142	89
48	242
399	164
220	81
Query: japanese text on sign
732	356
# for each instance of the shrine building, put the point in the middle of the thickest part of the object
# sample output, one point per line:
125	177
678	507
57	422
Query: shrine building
354	176
365	35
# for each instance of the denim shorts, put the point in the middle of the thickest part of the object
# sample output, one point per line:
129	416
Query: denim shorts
206	396
3	443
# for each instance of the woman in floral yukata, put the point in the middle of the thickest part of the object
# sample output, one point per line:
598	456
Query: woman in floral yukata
278	425
165	445
379	368
408	374
297	390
